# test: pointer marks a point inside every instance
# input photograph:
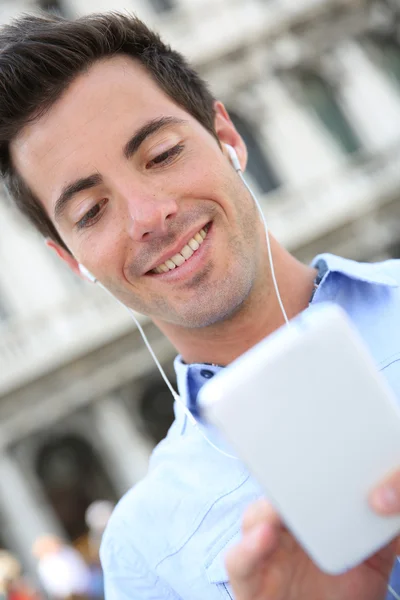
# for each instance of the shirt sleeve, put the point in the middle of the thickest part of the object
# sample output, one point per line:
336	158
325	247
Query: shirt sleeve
128	577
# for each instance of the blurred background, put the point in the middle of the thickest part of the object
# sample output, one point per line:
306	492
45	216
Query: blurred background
313	86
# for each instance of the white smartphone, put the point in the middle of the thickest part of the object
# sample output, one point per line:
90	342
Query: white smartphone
318	427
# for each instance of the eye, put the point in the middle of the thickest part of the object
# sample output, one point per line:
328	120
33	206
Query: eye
166	157
92	216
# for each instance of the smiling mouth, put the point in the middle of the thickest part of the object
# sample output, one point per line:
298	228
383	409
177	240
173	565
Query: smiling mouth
181	257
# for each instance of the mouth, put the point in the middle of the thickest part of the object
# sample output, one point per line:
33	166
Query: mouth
184	255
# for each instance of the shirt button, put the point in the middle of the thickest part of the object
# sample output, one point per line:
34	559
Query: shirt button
206	373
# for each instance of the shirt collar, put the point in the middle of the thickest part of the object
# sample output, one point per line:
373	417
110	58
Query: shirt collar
368	272
190	378
326	263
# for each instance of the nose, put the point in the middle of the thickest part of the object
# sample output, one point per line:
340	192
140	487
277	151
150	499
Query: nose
149	217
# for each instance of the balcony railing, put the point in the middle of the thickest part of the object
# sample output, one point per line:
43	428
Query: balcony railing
29	348
204	31
297	216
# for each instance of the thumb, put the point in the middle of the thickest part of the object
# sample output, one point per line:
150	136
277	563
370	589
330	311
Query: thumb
385	499
245	562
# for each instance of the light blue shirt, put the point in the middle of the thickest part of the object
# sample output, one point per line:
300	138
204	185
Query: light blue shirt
168	536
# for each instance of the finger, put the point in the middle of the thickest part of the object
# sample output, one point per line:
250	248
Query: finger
397	546
260	512
382	561
385	499
243	560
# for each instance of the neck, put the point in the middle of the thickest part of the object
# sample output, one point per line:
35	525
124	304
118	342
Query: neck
259	316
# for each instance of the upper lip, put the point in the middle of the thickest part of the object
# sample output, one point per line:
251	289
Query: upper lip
176	248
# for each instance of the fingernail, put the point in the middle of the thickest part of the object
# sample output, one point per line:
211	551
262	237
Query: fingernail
385	499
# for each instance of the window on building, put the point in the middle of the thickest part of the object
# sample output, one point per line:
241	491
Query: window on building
73	478
320	97
156	409
394	250
258	166
163	6
3	535
386	52
53	6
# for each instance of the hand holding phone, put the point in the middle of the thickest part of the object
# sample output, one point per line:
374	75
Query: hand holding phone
269	564
318	427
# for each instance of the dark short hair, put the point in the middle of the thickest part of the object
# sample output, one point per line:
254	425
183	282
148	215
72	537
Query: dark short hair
41	55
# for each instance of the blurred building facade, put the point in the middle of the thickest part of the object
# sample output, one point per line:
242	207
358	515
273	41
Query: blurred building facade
313	86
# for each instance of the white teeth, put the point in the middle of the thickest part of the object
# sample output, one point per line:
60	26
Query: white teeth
187	252
170	264
193	244
178	259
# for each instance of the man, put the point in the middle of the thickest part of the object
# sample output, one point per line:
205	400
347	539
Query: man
114	148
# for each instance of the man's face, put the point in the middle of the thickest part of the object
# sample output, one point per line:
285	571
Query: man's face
132	182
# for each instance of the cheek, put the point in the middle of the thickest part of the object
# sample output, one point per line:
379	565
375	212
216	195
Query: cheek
203	179
102	252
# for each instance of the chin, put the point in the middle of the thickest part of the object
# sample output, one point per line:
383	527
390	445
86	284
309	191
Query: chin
221	309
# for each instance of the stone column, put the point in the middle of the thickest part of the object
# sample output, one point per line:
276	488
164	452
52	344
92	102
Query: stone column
303	150
25	514
125	450
369	97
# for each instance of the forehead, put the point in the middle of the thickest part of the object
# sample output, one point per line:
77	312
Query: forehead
110	87
91	117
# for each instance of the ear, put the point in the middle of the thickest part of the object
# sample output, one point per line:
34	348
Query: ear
65	256
227	133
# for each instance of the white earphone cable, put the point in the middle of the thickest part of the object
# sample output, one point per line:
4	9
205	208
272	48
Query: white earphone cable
271	262
175	395
394	594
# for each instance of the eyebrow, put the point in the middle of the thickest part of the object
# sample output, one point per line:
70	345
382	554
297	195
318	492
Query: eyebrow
130	148
148	129
69	191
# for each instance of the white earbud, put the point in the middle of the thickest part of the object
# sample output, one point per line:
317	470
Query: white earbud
233	157
87	274
236	165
